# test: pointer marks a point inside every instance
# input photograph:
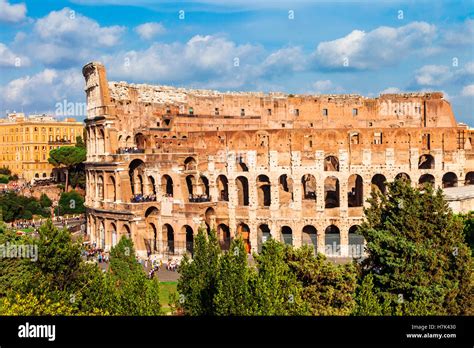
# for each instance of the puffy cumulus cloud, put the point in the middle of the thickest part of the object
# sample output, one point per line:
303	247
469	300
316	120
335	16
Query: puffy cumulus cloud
65	38
43	90
433	75
12	13
383	46
285	60
468	91
213	61
148	31
326	87
11	59
439	75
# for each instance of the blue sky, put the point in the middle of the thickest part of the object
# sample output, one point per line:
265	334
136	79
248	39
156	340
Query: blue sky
300	46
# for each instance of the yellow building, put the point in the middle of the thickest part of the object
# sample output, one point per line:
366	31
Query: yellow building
25	142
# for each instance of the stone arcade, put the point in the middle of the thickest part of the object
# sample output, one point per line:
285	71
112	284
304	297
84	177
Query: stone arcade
163	161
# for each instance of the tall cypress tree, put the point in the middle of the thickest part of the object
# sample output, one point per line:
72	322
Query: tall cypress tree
416	252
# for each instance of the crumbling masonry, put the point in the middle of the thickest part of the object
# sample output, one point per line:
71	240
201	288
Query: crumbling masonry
163	161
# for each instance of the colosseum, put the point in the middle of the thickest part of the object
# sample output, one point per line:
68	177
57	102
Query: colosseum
163	162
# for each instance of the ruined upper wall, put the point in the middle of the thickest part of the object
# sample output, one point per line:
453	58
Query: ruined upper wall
141	105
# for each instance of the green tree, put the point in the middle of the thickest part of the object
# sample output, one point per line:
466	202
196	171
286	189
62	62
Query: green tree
131	292
328	288
198	277
80	142
468	221
416	252
276	288
67	157
45	201
369	301
70	203
234	291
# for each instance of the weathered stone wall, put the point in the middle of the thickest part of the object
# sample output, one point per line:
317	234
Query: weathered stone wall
297	168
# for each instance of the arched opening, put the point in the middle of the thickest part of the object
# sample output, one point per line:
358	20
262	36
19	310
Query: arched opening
100	187
243	231
126	232
263	191
310	237
188	231
426	179
168	237
140	141
355	193
223	235
190	184
135	171
151	219
223	188
331	164
469	179
190	164
287	235
113	231
167	185
285	189
210	217
332	241
204	189
378	183
111	189
242	190
241	166
102	235
331	192
263	235
356	242
426	162
309	187
151	187
450	180
403	177
101	142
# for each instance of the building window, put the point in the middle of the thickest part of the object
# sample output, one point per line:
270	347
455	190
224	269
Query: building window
377	138
242	112
325	112
355	112
269	112
168	110
297	112
191	111
282	125
216	111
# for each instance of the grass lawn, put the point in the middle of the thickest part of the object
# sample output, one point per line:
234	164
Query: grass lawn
166	288
28	230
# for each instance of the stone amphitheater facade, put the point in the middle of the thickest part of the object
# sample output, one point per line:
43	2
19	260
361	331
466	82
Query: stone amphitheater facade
164	161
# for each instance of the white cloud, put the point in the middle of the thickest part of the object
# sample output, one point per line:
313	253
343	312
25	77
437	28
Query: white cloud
12	13
326	87
11	59
438	75
382	46
65	38
433	75
285	60
461	35
468	91
148	31
43	89
212	61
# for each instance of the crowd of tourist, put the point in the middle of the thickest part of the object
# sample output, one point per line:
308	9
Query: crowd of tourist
139	198
199	198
